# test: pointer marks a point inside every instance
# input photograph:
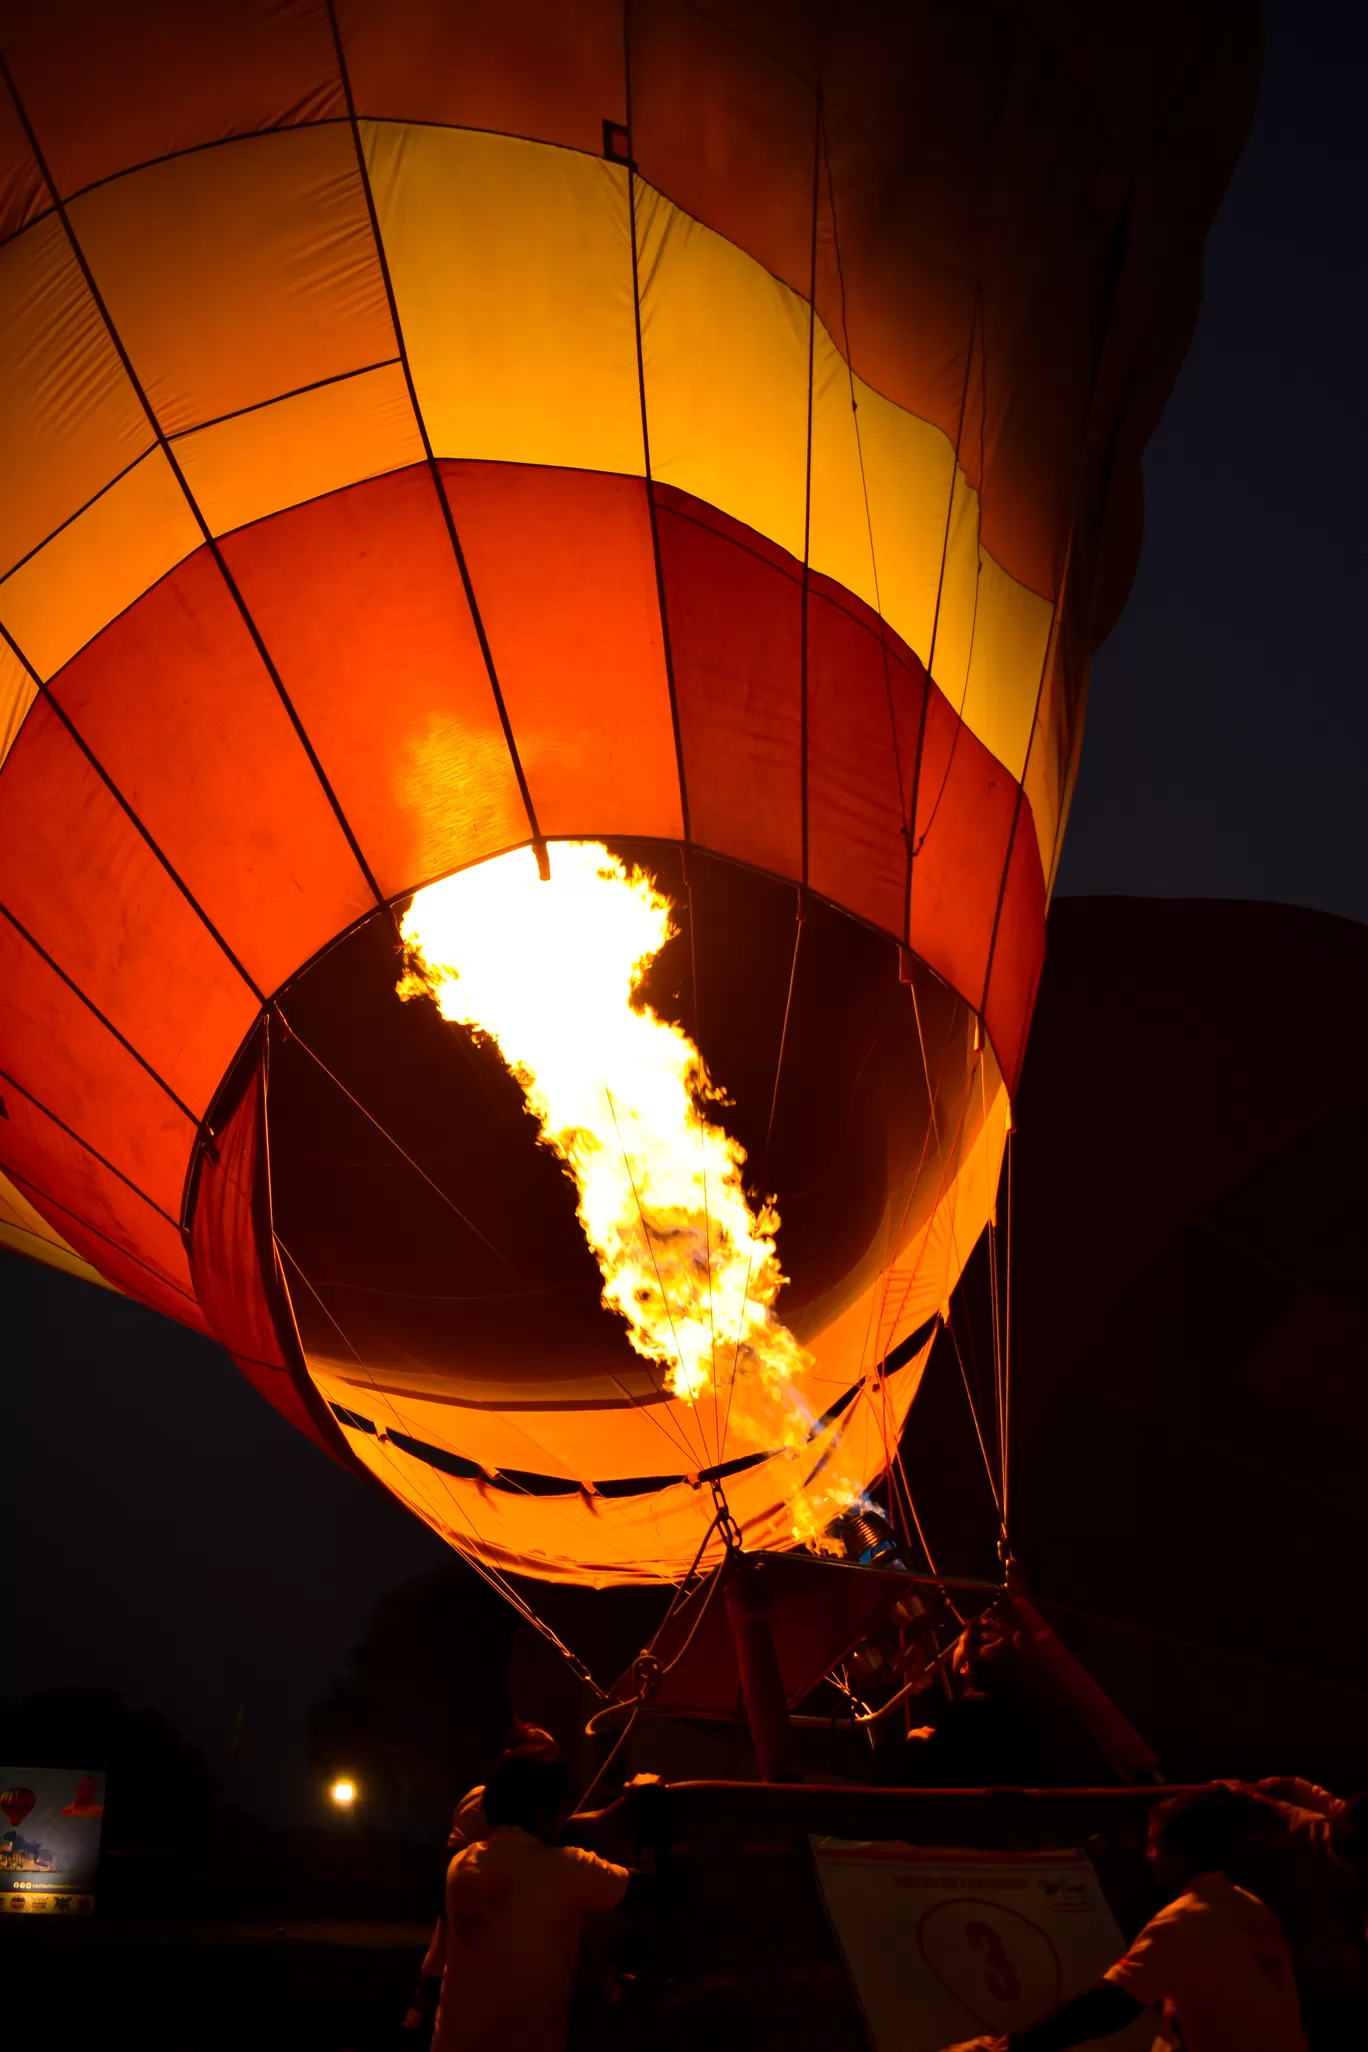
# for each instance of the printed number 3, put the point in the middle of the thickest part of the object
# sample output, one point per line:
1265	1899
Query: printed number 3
999	1975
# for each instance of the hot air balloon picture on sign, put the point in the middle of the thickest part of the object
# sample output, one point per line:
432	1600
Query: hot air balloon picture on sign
548	563
50	1852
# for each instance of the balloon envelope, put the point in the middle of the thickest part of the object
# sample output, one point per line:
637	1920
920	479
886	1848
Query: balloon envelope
429	433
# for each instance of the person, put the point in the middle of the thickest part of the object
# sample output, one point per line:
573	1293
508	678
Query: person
516	1905
1306	1856
469	1826
1214	1960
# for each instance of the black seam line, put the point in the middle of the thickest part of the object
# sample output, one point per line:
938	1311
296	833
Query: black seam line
1066	791
884	630
544	142
880	157
204	1130
210	540
662	601
443	502
278	398
91	1006
213	142
807	495
935	619
1022	804
1056	613
775	876
846	601
85	507
24	226
919	840
839	595
180	435
1047	661
541	142
260	519
661	841
246	135
86	1148
27	1183
49	699
982	1008
276	1287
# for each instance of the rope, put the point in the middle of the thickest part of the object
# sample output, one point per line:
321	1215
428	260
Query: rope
799	924
953	1155
975	327
403	1152
999	1394
490	1575
583	1804
923	1675
997	1352
647	1671
911	1505
674	1440
864	485
1007	1350
883	1340
703	1152
973	1412
804	616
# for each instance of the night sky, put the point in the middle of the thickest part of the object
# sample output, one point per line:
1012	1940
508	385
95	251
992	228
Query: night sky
179	1543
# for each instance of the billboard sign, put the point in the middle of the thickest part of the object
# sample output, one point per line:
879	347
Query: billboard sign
49	1838
945	1946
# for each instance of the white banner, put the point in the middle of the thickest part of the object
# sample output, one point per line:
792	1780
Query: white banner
944	1946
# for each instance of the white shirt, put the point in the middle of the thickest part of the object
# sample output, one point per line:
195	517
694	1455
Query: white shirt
515	1909
1217	1962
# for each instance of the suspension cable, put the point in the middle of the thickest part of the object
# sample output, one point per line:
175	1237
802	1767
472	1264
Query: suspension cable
703	1154
799	923
484	1569
978	1428
1007	1344
385	1134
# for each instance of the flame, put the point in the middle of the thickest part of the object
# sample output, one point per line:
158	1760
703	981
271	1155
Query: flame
550	972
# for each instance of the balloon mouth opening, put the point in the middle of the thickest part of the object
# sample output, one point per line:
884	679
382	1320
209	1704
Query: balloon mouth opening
409	1179
453	1315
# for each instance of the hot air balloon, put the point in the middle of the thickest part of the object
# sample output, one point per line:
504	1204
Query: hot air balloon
15	1804
453	455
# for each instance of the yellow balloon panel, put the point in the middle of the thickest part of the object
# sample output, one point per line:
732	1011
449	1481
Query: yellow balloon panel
297	448
99	563
69	419
238	274
512	271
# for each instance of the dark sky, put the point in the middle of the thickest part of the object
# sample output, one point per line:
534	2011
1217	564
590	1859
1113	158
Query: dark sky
182	1545
1226	746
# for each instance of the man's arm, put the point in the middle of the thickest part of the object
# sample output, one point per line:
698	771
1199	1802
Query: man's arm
423	2007
597	1884
1298	1794
1096	2013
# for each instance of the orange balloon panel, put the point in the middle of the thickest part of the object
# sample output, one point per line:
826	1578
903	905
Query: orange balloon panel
429	432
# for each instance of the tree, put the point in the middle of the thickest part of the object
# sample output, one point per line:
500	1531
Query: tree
424	1700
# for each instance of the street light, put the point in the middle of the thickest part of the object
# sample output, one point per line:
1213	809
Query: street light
343	1793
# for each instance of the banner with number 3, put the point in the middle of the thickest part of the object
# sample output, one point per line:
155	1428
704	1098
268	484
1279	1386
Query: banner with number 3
945	1946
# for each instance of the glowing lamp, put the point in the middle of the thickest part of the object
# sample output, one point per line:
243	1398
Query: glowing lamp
343	1793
